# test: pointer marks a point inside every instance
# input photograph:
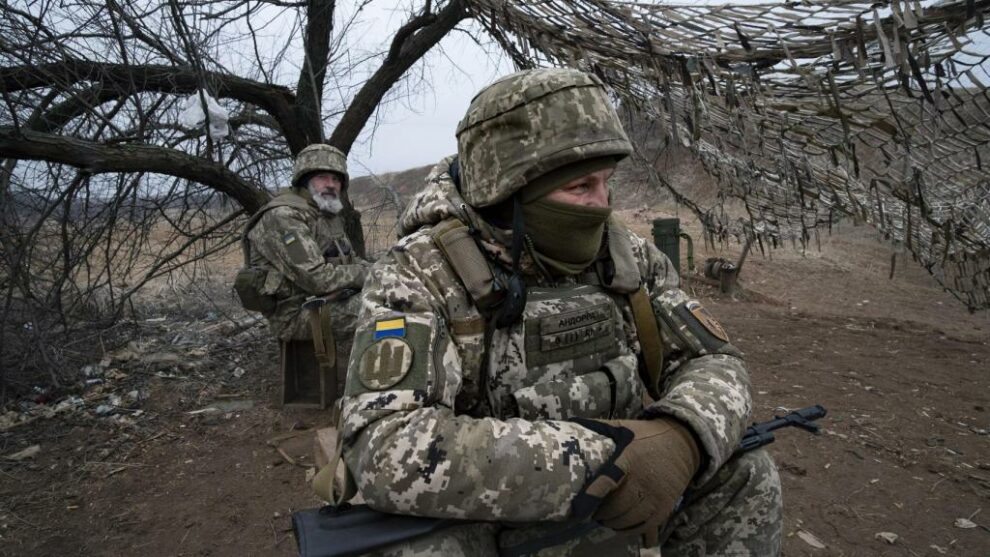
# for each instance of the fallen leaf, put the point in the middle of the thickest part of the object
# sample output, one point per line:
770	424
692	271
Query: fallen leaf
964	523
888	537
810	539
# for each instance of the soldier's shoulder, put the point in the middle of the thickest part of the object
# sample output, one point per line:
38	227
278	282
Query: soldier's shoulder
419	250
420	238
276	213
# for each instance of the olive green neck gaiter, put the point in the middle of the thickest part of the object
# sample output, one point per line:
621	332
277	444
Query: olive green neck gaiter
566	237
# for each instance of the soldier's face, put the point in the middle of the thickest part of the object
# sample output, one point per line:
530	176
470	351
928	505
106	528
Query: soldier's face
325	183
590	190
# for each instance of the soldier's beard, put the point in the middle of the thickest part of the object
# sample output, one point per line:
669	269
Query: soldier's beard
328	203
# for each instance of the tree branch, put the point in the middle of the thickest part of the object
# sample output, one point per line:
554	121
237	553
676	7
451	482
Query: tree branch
275	100
95	158
316	49
410	44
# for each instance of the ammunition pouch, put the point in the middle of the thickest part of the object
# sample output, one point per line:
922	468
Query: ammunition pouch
459	247
250	286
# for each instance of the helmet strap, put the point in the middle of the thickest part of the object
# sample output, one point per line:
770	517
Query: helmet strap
512	306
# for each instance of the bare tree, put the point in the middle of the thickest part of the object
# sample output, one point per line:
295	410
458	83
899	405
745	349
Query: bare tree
103	189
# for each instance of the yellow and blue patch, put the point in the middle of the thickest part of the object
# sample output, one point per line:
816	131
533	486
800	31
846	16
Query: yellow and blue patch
392	327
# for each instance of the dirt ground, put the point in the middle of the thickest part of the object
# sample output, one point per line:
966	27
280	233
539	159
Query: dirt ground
185	462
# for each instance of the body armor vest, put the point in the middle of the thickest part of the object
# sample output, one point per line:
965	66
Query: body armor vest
568	355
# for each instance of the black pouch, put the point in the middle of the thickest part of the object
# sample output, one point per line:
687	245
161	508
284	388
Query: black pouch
357	529
249	284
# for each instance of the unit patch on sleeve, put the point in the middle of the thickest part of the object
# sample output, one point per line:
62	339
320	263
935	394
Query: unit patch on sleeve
707	320
393	327
385	363
294	247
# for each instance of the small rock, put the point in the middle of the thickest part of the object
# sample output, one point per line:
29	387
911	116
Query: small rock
104	410
238	372
888	537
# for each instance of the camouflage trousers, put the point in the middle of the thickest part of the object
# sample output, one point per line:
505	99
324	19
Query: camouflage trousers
291	326
290	322
736	514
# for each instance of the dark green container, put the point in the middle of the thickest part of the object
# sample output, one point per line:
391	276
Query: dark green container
667	237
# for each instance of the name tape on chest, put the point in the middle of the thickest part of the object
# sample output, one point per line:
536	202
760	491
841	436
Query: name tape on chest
571	334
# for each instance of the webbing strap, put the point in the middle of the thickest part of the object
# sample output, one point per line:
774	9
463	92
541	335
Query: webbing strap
323	342
649	339
324	482
459	248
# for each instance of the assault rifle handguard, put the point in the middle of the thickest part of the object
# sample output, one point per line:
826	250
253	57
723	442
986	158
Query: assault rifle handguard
761	434
356	530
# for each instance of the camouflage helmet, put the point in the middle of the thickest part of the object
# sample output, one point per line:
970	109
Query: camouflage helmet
319	157
530	123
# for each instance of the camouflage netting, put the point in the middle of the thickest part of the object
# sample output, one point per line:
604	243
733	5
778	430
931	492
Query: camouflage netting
807	112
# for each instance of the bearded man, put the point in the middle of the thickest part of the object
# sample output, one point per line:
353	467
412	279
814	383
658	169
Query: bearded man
526	363
295	250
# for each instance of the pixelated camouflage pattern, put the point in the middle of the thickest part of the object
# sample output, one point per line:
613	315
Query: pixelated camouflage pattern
529	123
317	157
703	385
453	444
299	269
737	512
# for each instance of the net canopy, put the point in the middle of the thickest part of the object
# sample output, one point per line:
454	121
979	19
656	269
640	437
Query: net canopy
807	112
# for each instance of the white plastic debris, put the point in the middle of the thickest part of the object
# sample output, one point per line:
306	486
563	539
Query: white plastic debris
810	539
964	523
29	452
193	115
888	537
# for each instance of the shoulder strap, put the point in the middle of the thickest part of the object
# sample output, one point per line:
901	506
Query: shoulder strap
650	342
628	277
462	252
285	198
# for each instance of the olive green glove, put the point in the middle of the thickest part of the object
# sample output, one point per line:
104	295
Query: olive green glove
657	467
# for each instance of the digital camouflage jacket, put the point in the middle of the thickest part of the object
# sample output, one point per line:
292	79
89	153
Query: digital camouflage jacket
306	253
446	416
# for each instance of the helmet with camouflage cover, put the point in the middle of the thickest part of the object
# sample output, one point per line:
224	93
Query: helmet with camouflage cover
319	157
530	123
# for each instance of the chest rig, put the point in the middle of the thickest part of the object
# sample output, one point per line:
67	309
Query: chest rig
567	354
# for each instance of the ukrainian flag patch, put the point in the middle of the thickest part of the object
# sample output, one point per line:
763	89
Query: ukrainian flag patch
393	327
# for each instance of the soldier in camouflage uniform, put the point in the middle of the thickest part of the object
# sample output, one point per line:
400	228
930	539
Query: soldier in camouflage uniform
299	243
501	365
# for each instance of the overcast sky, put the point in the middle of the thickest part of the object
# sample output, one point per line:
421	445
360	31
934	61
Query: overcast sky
420	130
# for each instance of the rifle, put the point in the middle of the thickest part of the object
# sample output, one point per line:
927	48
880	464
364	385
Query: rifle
761	434
349	530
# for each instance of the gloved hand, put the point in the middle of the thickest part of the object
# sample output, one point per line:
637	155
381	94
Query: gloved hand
658	465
